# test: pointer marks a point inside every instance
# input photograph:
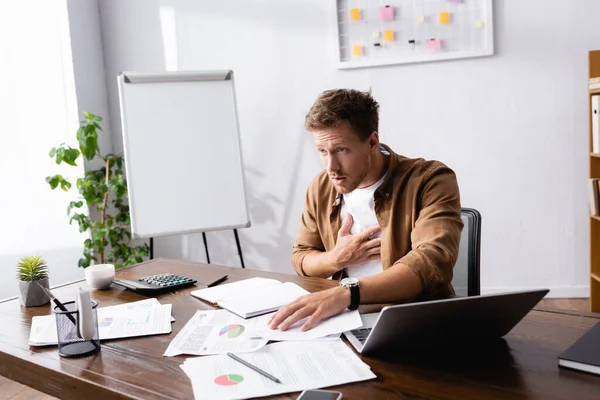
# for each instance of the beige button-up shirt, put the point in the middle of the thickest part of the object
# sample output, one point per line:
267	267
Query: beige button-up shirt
418	209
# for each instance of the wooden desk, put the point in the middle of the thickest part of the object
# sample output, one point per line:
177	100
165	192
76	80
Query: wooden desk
523	366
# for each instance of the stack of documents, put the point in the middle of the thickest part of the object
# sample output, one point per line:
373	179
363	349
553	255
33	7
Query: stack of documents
219	332
140	318
251	297
315	364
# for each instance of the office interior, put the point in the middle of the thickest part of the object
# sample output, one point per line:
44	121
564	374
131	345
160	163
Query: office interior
514	125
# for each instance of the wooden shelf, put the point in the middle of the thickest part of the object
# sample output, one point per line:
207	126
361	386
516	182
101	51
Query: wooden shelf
594	172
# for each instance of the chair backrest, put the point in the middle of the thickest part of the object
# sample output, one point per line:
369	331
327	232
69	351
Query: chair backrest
466	270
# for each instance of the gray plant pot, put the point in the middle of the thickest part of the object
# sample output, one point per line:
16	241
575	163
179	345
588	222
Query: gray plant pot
32	294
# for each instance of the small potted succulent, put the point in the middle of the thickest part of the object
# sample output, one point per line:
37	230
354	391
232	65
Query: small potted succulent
32	272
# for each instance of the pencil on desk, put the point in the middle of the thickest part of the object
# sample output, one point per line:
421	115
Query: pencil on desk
260	371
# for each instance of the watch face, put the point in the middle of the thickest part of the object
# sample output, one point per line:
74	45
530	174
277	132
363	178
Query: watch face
349	281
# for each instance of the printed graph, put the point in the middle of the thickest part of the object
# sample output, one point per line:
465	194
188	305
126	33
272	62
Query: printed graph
232	331
229	379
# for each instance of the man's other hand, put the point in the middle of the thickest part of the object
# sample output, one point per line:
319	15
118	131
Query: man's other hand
315	306
354	249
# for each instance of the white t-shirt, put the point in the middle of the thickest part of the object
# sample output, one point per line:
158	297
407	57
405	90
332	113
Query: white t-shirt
361	204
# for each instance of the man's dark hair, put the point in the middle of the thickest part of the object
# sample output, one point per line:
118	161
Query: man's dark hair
356	107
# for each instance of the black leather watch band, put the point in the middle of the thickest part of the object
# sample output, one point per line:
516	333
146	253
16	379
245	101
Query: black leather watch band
354	297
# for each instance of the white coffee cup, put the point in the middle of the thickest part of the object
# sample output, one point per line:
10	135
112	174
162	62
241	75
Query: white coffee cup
100	276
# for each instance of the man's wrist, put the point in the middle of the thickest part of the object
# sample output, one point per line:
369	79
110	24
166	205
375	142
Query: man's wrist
344	294
334	261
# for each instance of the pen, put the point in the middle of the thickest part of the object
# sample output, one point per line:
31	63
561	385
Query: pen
57	302
215	283
260	371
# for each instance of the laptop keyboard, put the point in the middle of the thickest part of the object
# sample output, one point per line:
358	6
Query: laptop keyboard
361	334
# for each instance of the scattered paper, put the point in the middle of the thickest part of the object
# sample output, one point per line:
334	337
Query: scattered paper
217	332
251	297
313	365
262	301
343	322
124	320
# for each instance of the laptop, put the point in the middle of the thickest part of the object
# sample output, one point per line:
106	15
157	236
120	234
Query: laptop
458	318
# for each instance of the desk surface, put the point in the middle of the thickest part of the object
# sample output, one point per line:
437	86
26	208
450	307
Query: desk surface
523	365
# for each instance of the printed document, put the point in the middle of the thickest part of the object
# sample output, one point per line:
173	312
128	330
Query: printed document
314	364
337	324
251	297
124	320
217	332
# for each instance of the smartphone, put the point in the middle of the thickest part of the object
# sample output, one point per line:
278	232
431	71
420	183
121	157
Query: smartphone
316	394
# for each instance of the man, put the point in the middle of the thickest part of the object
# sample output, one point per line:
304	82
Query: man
388	225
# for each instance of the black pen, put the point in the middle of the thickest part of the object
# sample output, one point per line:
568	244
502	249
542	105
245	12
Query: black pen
58	303
215	283
260	371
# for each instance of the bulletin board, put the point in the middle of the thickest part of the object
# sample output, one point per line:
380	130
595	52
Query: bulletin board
384	32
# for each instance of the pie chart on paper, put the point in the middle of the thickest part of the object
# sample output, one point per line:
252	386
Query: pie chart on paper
232	331
228	380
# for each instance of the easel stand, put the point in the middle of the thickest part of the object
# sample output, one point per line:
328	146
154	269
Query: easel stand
237	242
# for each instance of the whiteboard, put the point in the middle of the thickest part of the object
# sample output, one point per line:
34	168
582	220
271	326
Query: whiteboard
183	160
384	32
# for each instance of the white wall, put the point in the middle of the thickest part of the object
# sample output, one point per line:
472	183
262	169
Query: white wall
513	126
88	66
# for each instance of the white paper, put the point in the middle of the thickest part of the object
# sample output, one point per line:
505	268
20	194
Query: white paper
313	365
216	293
263	300
123	320
337	324
217	332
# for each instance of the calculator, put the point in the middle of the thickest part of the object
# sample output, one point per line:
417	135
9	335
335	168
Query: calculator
155	284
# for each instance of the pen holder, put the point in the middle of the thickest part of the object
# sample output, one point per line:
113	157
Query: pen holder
70	343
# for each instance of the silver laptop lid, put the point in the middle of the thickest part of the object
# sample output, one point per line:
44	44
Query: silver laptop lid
455	319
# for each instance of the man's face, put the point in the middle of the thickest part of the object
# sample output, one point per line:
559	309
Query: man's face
346	158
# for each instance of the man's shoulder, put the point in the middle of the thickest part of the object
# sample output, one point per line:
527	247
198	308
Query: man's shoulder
418	167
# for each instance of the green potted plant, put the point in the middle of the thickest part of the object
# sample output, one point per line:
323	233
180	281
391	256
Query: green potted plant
32	274
104	191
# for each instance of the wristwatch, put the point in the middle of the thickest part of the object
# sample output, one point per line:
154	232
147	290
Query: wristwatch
354	287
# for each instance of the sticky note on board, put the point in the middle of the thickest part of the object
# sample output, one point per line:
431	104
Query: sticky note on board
433	44
444	17
386	13
355	14
388	35
420	18
375	34
357	50
479	24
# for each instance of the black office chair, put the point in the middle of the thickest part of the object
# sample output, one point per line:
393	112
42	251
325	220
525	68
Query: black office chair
466	270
